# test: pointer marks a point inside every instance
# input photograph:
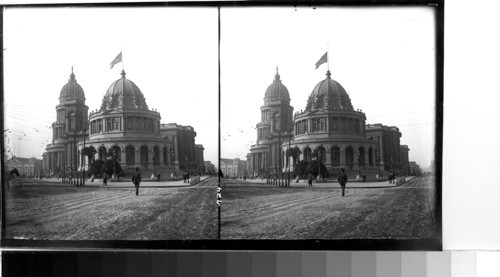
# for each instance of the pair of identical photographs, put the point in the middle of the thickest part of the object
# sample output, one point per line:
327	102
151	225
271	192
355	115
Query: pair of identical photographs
241	121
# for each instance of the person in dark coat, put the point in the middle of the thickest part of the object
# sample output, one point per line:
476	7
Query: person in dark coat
105	179
310	181
184	176
342	180
136	179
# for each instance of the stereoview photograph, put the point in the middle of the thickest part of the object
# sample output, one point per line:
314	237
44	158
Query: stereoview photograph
328	119
110	124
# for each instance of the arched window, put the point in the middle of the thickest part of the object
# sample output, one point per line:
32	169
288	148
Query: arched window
361	155
130	155
307	154
370	156
156	155
116	153
335	154
321	154
102	153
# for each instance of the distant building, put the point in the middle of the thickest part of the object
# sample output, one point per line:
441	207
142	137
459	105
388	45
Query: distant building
27	167
200	165
233	168
414	168
405	163
209	167
183	138
388	141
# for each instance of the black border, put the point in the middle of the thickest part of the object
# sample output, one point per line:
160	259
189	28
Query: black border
349	244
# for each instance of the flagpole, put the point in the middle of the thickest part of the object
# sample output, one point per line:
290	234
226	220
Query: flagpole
327	59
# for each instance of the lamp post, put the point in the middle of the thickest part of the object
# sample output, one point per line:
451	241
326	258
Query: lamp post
114	161
320	154
84	156
288	156
172	161
154	162
73	160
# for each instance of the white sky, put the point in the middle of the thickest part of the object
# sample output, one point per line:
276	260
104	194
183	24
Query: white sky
169	53
383	57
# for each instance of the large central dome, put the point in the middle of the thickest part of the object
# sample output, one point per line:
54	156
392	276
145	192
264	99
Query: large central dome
124	94
329	95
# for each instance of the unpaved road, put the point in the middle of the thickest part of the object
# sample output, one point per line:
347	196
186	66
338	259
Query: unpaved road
260	211
63	212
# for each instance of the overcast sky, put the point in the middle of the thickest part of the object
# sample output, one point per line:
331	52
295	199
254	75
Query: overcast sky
383	57
170	56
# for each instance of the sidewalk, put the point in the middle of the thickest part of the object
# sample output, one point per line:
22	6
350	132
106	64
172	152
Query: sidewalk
124	183
331	183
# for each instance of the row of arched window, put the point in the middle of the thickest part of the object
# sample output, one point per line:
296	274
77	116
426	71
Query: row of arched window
146	154
320	154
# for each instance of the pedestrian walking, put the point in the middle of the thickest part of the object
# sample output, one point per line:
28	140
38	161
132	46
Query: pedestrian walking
105	179
159	176
310	181
136	179
184	176
364	177
342	180
188	178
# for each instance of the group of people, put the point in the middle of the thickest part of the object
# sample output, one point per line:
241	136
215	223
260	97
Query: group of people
392	178
186	177
342	179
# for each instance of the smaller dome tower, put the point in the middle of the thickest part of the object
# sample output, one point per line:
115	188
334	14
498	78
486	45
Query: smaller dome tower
276	91
71	90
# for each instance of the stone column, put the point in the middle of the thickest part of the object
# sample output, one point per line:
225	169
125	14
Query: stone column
176	151
328	159
137	158
123	157
381	152
367	161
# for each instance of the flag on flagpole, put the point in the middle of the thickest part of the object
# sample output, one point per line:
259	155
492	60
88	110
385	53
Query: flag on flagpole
322	60
116	60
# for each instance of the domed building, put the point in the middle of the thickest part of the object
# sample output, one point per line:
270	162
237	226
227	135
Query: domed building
67	130
331	128
125	128
275	126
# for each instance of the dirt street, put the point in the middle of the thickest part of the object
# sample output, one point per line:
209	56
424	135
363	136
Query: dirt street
41	210
261	211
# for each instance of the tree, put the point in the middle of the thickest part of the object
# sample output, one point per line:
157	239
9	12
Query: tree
111	166
98	166
302	168
314	169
